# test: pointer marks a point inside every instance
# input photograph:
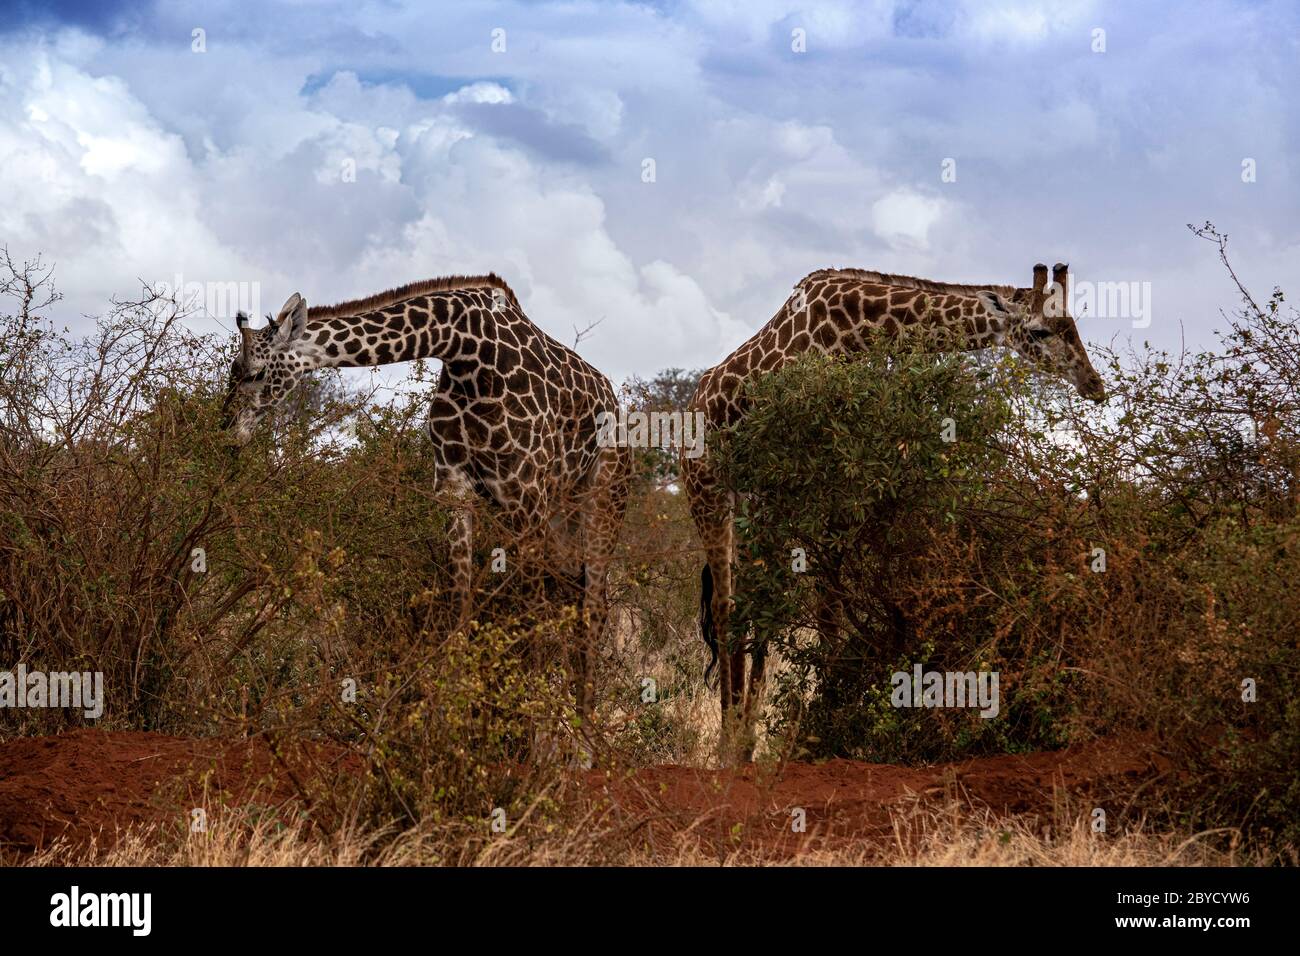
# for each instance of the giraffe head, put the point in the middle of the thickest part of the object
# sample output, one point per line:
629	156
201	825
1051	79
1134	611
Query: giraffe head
269	365
1040	329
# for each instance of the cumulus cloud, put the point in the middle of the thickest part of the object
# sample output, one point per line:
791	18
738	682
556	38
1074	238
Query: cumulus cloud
96	184
904	218
480	93
343	153
342	208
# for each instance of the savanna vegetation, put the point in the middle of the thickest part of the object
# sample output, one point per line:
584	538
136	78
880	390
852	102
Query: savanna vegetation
1124	570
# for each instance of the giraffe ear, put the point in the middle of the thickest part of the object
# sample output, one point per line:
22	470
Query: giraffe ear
996	305
292	320
999	308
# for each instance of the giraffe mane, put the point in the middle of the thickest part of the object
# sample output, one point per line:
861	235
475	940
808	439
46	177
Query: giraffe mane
909	282
408	291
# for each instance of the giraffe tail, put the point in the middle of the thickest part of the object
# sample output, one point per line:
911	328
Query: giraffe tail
707	628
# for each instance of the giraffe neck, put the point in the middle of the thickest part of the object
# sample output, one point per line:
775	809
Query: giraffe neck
846	316
983	328
433	325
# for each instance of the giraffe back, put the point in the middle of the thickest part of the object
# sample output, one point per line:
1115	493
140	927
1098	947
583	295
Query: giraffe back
515	411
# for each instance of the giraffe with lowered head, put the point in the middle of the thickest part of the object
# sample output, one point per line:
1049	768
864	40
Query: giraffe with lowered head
837	311
513	419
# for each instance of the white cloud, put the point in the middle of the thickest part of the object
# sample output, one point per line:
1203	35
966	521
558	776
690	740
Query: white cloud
137	158
119	197
96	184
480	93
1025	21
905	218
828	24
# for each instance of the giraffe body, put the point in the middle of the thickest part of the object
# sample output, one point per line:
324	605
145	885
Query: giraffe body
836	311
513	419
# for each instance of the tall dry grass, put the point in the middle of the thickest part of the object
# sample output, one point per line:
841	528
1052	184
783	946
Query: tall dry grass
922	835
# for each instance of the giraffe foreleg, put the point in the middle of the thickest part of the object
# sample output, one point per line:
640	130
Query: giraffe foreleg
717	633
713	510
601	521
461	501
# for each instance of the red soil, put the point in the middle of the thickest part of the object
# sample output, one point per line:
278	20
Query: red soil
846	800
91	784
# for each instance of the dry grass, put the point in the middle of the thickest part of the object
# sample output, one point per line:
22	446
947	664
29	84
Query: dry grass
951	836
922	835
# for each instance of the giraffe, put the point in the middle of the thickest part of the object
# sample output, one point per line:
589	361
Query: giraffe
513	419
835	311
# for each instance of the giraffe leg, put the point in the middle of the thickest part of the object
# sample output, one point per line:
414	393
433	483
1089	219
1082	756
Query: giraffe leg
591	614
602	519
462	561
731	655
461	496
713	520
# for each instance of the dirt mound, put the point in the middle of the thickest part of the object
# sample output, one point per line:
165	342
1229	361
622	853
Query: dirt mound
92	785
844	800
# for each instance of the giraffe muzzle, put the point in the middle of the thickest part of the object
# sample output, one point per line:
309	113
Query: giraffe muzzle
1093	390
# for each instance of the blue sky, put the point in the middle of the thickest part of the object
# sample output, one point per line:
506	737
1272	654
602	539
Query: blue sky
126	154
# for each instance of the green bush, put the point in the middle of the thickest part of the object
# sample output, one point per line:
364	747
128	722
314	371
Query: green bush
848	473
1124	571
